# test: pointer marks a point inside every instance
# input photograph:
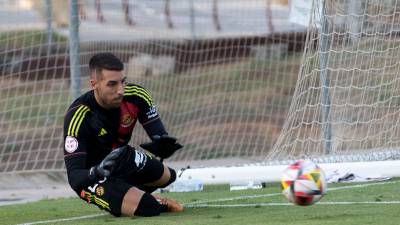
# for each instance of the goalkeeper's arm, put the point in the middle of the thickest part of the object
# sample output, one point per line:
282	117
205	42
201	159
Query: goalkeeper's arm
78	175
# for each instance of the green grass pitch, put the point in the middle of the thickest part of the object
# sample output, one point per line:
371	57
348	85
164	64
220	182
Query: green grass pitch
344	204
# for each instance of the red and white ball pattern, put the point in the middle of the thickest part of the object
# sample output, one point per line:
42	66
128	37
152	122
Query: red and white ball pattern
303	183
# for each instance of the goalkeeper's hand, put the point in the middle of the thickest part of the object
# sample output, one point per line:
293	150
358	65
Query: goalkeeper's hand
108	165
163	146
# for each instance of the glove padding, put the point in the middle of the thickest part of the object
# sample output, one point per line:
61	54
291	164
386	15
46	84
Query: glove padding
109	164
163	146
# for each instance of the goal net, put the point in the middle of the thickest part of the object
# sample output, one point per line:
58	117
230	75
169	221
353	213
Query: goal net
234	80
221	72
346	105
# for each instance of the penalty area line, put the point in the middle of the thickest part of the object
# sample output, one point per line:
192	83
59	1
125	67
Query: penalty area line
64	219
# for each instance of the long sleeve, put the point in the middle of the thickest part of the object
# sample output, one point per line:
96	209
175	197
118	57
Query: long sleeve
78	175
76	130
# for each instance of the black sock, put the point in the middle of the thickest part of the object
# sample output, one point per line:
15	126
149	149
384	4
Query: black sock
149	206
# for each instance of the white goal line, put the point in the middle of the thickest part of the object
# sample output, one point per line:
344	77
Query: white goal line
275	194
283	204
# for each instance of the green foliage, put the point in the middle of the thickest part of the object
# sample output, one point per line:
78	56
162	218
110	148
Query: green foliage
23	38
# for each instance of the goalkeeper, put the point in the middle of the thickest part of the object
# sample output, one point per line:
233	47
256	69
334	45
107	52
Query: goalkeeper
102	168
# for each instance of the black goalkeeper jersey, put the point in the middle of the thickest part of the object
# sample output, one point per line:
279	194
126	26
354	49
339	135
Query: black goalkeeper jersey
91	132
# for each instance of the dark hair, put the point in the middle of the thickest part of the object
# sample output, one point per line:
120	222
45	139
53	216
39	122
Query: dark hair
106	61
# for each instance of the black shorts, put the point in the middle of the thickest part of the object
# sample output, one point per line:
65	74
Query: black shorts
108	193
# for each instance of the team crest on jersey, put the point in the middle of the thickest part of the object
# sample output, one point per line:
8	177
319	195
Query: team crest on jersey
71	144
100	191
127	120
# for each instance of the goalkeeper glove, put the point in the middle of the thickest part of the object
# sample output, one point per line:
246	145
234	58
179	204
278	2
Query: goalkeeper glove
107	166
163	146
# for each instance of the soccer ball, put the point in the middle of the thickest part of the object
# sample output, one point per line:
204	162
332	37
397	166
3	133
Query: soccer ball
303	183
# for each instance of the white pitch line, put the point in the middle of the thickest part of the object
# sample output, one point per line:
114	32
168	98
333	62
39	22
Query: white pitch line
275	194
203	204
233	198
65	219
363	185
287	204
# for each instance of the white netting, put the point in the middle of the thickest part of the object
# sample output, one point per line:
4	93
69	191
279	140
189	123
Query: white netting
347	102
221	72
34	88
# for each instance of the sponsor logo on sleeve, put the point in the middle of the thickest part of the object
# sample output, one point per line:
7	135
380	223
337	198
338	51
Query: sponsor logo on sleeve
71	144
152	112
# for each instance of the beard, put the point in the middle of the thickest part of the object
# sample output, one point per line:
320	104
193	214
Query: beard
115	102
109	103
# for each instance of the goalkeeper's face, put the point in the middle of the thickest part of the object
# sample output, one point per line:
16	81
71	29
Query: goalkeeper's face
109	88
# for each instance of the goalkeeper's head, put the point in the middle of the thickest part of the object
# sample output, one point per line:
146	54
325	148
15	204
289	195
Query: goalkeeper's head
107	79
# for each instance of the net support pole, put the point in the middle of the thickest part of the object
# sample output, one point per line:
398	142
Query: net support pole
324	76
192	19
354	21
74	58
49	19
